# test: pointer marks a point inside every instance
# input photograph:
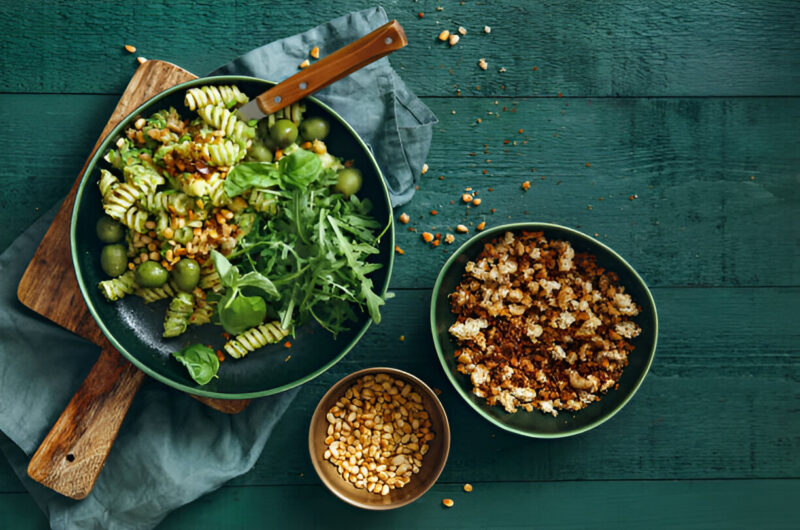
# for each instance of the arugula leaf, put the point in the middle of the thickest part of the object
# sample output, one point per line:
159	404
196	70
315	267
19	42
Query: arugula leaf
201	362
250	175
300	168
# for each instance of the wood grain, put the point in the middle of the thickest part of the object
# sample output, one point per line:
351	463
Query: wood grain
597	49
606	504
73	453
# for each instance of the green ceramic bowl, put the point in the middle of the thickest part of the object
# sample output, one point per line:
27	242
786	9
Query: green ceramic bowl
538	424
135	328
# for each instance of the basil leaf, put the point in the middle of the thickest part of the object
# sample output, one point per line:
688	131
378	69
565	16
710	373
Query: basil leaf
242	313
300	168
260	282
201	362
250	175
228	274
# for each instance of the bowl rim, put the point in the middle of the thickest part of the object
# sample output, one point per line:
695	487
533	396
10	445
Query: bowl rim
339	386
96	157
533	226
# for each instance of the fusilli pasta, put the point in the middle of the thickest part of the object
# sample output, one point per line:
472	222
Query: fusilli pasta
178	314
255	338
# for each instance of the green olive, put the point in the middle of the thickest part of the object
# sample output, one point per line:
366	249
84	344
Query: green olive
348	181
114	259
315	128
283	133
260	153
183	235
109	230
151	274
186	274
262	128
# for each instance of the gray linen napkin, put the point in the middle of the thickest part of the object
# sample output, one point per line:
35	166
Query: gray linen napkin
153	466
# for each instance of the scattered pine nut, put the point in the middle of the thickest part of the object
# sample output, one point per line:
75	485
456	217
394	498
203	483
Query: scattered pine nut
476	201
454	39
424	169
141	60
449	238
463	229
526	185
315	52
444	35
404	218
487	29
448	502
130	49
439	8
467	487
481	225
462	30
466	197
483	64
399	250
427	237
305	64
501	69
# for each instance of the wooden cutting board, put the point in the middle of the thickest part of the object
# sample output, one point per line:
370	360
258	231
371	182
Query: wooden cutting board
72	454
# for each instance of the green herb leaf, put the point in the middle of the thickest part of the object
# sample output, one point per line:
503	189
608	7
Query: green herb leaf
228	274
250	175
258	281
201	362
241	313
300	168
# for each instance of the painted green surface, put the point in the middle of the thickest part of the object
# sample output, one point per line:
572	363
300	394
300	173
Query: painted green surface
714	178
673	103
621	48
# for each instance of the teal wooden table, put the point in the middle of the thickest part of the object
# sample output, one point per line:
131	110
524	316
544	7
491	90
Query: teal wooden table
668	130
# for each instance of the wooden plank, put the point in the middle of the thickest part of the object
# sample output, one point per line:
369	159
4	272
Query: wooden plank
622	48
715	205
561	505
617	504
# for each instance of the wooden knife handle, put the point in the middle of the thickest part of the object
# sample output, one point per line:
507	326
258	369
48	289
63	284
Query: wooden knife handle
74	451
341	63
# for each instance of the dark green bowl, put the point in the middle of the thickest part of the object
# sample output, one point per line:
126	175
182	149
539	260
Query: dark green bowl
538	424
135	328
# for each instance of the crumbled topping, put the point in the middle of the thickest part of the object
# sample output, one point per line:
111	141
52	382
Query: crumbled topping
541	326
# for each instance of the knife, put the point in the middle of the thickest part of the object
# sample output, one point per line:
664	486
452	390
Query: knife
342	62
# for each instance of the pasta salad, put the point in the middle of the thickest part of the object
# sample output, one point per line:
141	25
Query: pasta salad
252	226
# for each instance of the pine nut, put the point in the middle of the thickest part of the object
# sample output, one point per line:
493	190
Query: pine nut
374	433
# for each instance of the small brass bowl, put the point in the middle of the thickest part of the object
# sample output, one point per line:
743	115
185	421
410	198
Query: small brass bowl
432	463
